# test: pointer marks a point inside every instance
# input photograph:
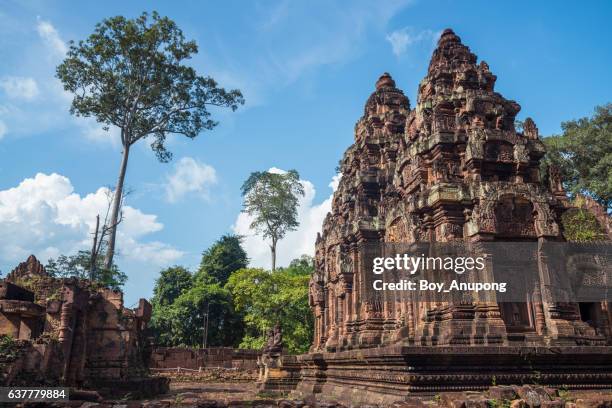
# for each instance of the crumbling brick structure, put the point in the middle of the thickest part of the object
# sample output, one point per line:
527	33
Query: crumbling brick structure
452	169
197	358
73	332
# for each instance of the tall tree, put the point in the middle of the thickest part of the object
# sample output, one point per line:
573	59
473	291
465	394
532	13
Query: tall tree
131	74
272	200
583	154
172	282
225	256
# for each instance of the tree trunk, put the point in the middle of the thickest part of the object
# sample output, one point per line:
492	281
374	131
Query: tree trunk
273	250
94	251
117	201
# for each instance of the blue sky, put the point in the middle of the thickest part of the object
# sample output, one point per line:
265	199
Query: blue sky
306	69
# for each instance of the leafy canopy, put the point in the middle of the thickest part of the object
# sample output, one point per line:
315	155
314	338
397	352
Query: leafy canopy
304	265
78	265
9	349
221	259
266	298
272	200
583	154
181	299
172	282
182	322
581	225
242	311
131	73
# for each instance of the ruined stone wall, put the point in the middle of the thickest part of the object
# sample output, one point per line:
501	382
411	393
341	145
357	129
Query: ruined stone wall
78	333
196	358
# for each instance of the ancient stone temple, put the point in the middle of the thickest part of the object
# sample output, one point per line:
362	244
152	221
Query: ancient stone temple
453	168
72	332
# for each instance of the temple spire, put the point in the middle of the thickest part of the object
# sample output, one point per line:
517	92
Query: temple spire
448	36
385	81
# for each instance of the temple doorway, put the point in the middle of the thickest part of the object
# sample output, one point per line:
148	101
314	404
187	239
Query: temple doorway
516	316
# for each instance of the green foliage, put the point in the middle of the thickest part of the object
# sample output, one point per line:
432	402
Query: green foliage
172	282
583	154
221	259
9	349
267	298
184	319
78	265
580	225
565	394
181	299
272	200
495	403
160	325
241	312
304	265
131	73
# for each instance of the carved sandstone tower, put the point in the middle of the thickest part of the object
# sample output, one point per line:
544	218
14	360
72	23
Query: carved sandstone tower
452	169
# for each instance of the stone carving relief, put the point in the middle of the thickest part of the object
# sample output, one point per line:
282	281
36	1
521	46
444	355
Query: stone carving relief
452	168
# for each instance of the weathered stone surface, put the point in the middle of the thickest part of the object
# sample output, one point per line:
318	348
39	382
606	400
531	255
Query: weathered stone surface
503	392
278	372
452	169
196	358
85	395
531	396
592	403
222	395
557	403
79	334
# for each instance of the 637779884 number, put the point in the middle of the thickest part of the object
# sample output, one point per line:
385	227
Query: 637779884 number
17	394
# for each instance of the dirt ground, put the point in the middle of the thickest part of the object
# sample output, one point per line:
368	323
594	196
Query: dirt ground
237	394
227	393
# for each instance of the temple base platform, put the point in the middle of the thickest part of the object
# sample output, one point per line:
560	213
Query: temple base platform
387	374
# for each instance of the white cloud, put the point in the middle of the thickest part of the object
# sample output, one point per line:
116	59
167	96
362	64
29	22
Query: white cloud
295	243
51	37
3	129
156	253
19	87
190	176
53	102
57	48
403	38
44	216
